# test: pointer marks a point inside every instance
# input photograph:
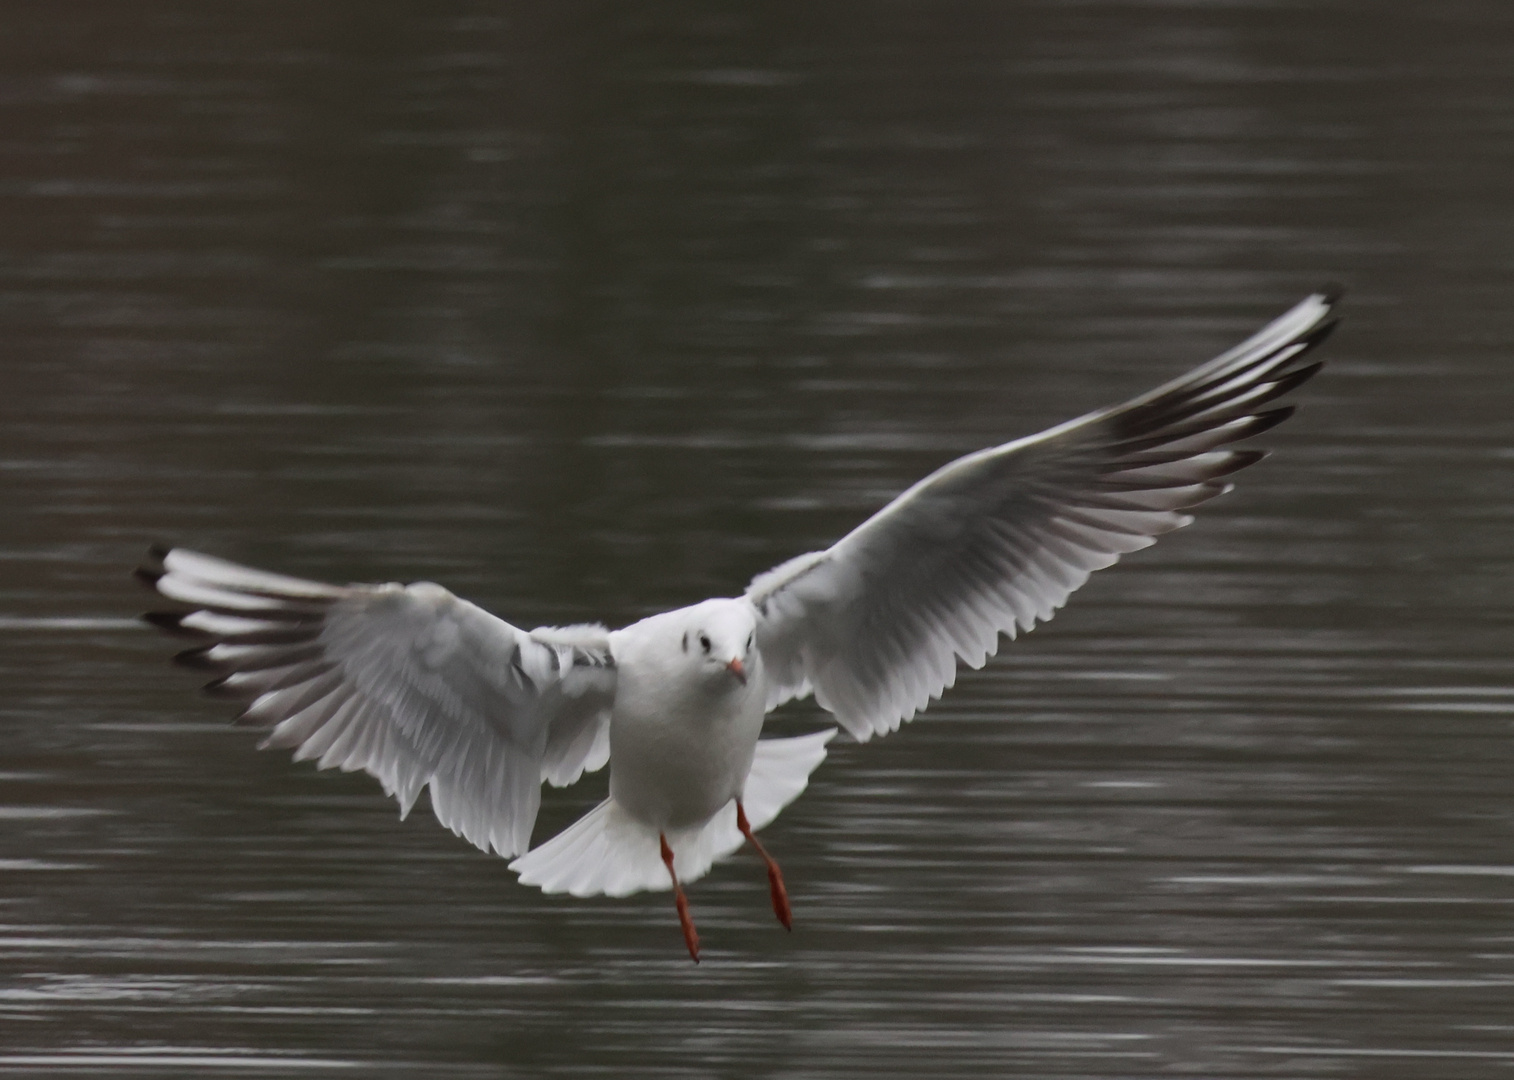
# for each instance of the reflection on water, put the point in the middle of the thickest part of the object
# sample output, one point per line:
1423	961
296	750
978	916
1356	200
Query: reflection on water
590	313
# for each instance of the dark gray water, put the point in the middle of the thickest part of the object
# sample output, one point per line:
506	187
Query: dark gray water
594	311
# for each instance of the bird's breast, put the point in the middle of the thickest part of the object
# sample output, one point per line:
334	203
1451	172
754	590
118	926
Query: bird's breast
678	751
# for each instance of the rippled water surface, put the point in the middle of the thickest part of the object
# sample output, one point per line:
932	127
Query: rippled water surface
591	310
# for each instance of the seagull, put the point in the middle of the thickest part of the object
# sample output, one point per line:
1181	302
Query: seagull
418	687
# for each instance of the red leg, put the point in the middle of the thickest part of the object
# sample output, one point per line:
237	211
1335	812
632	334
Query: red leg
690	935
775	875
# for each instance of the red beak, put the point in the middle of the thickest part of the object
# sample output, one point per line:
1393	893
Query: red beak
738	669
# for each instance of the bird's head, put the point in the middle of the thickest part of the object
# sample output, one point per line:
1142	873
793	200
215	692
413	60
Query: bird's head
719	638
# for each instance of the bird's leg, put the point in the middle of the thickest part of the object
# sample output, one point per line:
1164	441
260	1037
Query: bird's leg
775	875
690	935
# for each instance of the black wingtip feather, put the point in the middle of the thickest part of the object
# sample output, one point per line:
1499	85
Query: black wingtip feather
246	719
217	688
1238	460
197	658
1332	291
1318	334
1187	401
148	576
1286	384
1266	421
171	622
158	551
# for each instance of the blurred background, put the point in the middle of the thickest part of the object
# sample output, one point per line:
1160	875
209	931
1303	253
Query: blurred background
587	310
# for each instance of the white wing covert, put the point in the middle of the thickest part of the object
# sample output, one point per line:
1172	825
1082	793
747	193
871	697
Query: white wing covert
997	540
407	682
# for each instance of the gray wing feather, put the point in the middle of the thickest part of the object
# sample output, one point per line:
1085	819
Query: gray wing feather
408	683
996	541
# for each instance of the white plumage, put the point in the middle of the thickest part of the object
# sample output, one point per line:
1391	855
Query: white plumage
420	688
608	851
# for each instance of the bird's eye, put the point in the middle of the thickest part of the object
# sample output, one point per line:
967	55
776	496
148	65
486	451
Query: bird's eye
749	638
704	642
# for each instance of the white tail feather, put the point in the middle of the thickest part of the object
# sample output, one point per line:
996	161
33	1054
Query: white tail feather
608	851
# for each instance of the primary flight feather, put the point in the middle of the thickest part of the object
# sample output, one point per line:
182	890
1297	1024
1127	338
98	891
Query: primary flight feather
420	688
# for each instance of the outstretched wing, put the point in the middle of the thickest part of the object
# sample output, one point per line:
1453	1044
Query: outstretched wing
406	682
997	540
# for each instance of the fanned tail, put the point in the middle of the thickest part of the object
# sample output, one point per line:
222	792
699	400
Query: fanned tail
609	852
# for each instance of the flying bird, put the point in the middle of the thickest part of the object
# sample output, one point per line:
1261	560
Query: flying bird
419	687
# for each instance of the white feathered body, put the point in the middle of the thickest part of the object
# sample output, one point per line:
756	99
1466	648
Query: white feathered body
690	696
682	729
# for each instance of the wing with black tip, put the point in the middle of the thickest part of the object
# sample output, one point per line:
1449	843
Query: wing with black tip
406	682
996	541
